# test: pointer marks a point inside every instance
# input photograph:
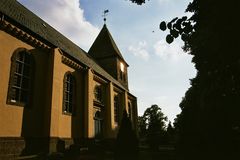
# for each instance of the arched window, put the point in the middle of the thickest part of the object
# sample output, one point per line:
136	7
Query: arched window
116	109
68	93
98	93
21	76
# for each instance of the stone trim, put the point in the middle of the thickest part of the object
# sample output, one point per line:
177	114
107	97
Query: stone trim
131	97
117	89
11	146
71	63
99	79
21	35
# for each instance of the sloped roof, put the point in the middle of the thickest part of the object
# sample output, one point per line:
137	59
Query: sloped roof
31	23
104	46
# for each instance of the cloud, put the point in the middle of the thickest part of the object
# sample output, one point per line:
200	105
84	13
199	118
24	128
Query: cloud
163	1
67	17
167	51
139	50
160	99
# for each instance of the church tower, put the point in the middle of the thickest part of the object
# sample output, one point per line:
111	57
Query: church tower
106	53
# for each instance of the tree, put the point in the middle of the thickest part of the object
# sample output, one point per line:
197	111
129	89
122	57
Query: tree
139	2
209	124
152	126
142	127
155	119
170	134
170	128
127	142
210	116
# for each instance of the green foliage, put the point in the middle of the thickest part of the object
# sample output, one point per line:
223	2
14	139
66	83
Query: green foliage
170	129
152	126
142	128
154	119
163	26
171	135
183	27
127	142
209	124
139	2
169	38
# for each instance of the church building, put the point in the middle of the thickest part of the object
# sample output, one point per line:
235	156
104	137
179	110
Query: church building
52	91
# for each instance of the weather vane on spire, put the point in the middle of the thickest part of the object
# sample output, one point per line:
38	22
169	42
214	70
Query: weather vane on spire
105	15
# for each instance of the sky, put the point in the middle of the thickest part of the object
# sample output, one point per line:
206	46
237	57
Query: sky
158	73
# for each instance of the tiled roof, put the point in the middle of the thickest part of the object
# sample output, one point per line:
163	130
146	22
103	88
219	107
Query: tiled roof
104	46
39	28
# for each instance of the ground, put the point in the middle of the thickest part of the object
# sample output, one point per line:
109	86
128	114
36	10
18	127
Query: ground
163	153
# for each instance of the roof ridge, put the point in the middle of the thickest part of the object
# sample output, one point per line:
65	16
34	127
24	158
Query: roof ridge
30	21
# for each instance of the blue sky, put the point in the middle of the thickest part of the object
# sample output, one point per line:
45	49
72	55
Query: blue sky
159	73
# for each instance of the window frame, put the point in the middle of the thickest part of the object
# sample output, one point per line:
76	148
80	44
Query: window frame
98	94
122	72
116	109
21	73
69	90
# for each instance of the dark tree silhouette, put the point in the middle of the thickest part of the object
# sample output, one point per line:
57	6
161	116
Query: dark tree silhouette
142	126
209	124
152	126
170	128
127	142
139	2
171	134
154	119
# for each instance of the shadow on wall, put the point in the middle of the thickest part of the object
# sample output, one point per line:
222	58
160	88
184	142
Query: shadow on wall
36	115
78	112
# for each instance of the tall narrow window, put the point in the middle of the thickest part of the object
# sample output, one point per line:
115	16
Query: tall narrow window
130	110
69	93
122	71
98	93
20	78
124	77
116	109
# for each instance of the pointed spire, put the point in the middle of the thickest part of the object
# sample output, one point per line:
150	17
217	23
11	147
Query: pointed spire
106	53
104	46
